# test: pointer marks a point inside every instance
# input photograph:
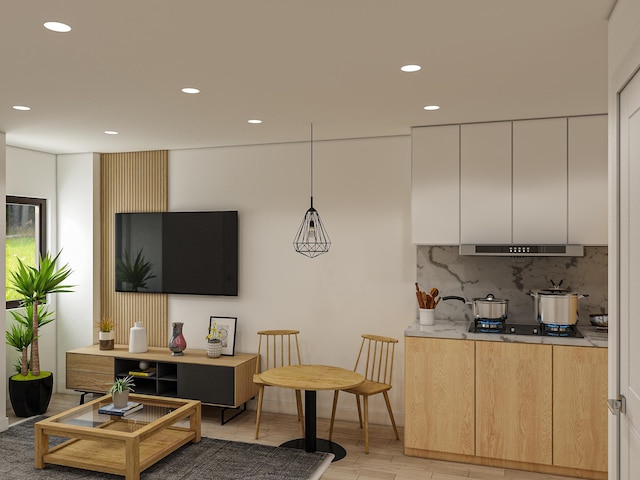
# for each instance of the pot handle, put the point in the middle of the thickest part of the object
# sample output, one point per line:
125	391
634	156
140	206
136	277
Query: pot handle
453	297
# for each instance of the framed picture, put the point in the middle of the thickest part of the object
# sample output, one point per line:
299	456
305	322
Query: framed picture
226	327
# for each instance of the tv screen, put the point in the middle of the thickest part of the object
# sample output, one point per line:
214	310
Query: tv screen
177	252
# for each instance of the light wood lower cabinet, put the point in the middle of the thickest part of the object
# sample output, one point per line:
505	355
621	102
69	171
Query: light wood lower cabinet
513	405
439	392
580	407
513	401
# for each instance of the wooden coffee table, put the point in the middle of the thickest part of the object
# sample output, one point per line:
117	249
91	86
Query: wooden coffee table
118	445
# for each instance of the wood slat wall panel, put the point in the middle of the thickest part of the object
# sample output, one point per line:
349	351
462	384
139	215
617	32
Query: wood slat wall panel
131	182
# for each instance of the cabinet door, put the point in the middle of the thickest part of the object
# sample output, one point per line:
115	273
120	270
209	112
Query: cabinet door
485	183
588	180
439	395
209	384
540	181
435	185
513	401
580	407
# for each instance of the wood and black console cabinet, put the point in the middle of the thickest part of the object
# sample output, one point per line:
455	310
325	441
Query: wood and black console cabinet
226	381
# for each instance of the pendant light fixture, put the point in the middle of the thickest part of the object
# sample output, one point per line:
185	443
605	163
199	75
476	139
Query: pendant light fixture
312	239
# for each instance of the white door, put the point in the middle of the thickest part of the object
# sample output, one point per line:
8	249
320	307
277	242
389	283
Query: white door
629	279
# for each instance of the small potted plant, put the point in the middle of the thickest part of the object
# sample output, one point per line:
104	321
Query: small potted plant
214	342
120	391
106	336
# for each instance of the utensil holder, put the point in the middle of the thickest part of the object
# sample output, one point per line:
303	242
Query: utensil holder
427	316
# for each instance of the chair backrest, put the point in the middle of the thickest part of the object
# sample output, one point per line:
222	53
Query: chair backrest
375	358
279	348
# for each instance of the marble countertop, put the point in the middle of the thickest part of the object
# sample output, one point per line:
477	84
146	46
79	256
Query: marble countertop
458	329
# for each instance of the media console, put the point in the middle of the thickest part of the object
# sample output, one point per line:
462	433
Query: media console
225	381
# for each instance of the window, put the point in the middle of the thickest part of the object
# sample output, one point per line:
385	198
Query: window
26	236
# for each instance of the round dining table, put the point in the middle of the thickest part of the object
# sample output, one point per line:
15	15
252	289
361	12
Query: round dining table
312	378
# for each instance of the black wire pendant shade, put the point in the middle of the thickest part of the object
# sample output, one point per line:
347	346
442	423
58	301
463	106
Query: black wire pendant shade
312	238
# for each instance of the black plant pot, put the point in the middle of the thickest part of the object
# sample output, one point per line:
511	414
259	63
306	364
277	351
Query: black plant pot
30	397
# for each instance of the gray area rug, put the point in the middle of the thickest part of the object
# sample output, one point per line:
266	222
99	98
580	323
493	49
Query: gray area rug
209	459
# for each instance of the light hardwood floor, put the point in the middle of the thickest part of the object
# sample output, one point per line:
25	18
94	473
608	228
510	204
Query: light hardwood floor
386	460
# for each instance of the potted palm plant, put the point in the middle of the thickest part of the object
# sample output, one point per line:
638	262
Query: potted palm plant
30	390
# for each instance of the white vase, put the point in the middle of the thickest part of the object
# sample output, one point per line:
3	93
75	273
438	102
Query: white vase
138	338
214	348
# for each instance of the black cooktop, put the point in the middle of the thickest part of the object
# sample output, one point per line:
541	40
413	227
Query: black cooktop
481	326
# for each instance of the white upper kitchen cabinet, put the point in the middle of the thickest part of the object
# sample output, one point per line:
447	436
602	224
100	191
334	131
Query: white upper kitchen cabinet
485	183
588	180
540	181
435	185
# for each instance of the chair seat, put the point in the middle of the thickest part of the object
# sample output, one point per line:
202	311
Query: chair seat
257	379
368	388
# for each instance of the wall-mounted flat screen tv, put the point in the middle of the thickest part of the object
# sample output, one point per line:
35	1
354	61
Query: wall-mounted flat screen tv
177	252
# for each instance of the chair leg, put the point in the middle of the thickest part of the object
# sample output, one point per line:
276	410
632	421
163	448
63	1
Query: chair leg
393	422
259	409
359	410
300	414
366	423
333	412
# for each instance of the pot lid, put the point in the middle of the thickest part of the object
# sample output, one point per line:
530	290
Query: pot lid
556	289
491	298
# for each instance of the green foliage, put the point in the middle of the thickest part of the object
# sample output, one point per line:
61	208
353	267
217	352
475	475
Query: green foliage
18	248
122	384
33	284
20	335
136	273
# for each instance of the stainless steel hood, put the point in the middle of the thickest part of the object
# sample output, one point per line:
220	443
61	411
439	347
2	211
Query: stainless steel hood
523	250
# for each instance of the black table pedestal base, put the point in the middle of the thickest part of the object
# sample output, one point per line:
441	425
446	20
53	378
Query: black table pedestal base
321	446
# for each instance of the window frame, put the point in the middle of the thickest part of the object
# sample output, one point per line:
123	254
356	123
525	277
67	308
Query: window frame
41	203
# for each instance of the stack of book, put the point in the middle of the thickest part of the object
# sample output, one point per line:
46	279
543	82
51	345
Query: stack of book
110	409
147	372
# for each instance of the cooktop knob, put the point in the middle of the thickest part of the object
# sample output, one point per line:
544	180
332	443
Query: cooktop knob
512	329
535	331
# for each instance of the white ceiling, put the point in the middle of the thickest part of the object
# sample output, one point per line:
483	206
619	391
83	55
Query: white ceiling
335	63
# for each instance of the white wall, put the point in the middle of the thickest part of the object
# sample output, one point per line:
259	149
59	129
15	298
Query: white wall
78	185
33	174
363	285
624	61
4	421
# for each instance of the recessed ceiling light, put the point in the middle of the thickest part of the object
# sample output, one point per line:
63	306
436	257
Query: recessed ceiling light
111	132
21	107
254	120
57	27
190	90
432	107
410	68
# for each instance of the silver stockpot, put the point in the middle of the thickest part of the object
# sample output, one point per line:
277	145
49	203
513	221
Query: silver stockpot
489	307
557	306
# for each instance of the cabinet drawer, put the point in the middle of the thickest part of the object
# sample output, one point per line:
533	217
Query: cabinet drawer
89	363
89	382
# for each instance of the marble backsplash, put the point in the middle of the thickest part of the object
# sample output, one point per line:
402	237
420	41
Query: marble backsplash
511	278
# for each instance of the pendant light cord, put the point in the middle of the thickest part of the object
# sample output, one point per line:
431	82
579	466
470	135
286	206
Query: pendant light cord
311	147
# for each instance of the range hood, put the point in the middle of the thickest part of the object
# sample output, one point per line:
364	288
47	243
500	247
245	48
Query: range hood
523	250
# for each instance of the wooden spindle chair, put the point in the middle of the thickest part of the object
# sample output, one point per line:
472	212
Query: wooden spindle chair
278	348
375	362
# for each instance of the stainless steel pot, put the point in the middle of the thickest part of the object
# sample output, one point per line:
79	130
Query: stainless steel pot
557	306
489	307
